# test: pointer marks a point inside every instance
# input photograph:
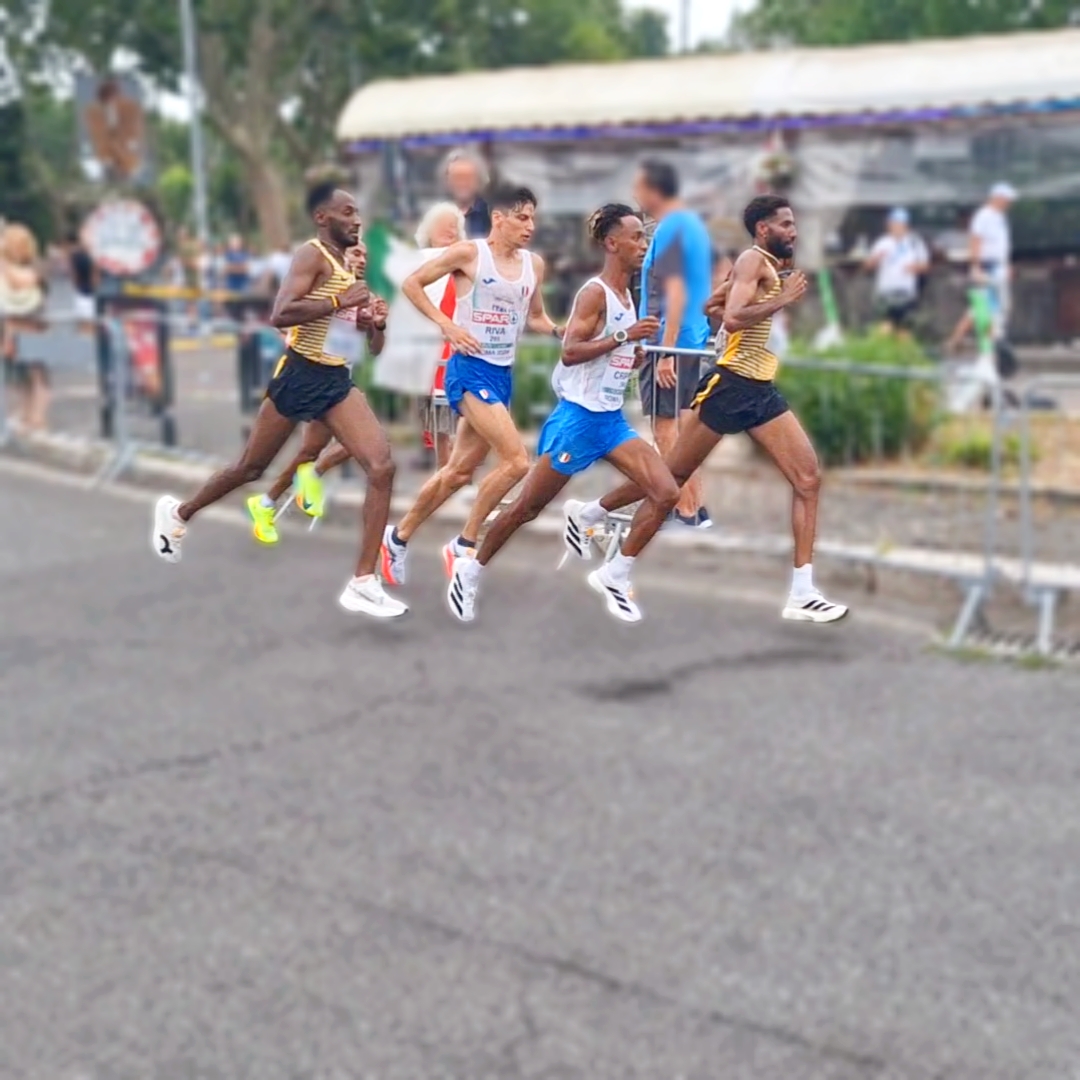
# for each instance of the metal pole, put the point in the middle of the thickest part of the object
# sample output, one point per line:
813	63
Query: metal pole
198	160
685	26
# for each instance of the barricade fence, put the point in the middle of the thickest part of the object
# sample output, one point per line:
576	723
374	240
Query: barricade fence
970	507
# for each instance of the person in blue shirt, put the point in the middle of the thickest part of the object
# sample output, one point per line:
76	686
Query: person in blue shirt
676	281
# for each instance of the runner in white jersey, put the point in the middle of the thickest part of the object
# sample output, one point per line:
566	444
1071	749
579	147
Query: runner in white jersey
600	352
499	290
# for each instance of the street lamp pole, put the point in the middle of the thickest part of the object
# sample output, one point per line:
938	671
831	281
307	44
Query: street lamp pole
685	27
198	158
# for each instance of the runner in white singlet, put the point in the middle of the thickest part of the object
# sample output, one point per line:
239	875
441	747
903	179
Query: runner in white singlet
499	297
600	352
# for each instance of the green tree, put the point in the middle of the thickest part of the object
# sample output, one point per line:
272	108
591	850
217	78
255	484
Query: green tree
174	187
647	33
852	22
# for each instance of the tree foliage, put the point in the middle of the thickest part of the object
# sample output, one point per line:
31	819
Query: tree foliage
853	22
275	73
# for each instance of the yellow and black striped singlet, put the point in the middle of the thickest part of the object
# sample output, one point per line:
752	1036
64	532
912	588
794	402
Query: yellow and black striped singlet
310	339
747	351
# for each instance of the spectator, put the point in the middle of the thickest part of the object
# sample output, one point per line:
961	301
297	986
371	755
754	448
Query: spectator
22	308
410	361
83	281
676	281
990	240
899	259
237	274
466	177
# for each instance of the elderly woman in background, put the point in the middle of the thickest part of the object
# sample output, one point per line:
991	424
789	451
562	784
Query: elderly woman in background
22	308
414	359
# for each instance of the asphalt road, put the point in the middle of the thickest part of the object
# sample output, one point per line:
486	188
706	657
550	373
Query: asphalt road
243	835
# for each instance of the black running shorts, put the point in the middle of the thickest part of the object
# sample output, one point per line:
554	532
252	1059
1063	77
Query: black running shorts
729	403
303	390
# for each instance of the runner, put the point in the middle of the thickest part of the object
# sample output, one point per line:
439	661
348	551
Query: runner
309	384
740	395
499	294
305	472
599	353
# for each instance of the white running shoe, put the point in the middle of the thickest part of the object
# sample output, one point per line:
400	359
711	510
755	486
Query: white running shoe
813	608
392	559
367	597
619	595
461	592
168	532
577	536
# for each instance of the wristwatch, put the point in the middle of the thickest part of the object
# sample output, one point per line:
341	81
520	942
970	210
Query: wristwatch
620	337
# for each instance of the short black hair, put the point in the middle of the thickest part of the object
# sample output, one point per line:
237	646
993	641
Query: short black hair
761	209
661	177
507	197
607	217
320	195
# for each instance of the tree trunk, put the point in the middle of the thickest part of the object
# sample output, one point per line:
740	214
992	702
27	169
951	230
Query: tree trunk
271	205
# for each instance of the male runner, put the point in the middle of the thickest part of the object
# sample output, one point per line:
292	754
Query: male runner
499	294
740	395
313	460
599	353
309	384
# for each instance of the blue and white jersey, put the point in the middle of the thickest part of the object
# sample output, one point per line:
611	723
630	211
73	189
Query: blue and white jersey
600	385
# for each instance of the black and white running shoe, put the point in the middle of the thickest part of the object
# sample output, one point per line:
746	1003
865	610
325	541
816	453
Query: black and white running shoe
813	608
619	595
461	592
577	536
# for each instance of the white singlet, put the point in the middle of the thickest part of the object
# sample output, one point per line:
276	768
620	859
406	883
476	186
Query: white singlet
600	385
496	310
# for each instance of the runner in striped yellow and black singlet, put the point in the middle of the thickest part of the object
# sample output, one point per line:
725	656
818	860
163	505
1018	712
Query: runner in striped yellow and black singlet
308	384
739	395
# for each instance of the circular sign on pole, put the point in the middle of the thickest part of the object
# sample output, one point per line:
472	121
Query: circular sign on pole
122	237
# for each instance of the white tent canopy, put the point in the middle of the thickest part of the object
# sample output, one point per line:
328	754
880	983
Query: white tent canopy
958	72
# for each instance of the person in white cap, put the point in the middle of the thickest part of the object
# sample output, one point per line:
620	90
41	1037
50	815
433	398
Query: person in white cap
991	253
898	258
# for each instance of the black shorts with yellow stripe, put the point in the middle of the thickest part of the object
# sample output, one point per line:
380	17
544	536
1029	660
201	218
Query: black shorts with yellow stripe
304	390
729	403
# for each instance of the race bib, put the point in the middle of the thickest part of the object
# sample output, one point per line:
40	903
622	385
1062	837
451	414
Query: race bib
620	367
497	332
343	340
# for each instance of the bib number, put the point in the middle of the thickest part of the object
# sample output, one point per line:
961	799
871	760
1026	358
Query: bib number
343	340
620	367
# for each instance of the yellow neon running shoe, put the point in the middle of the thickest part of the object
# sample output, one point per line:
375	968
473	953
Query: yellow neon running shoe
262	518
309	490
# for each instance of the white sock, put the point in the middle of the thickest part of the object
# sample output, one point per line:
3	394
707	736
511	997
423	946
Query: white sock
621	565
592	513
267	502
802	580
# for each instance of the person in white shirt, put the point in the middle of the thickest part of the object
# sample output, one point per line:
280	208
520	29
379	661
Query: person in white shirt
898	258
990	251
499	287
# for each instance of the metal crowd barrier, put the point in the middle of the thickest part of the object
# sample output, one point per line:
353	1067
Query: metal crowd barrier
1046	581
957	532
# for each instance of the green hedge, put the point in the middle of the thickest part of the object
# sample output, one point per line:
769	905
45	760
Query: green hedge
861	417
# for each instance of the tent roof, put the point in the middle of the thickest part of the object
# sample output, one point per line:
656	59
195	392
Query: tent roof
953	74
